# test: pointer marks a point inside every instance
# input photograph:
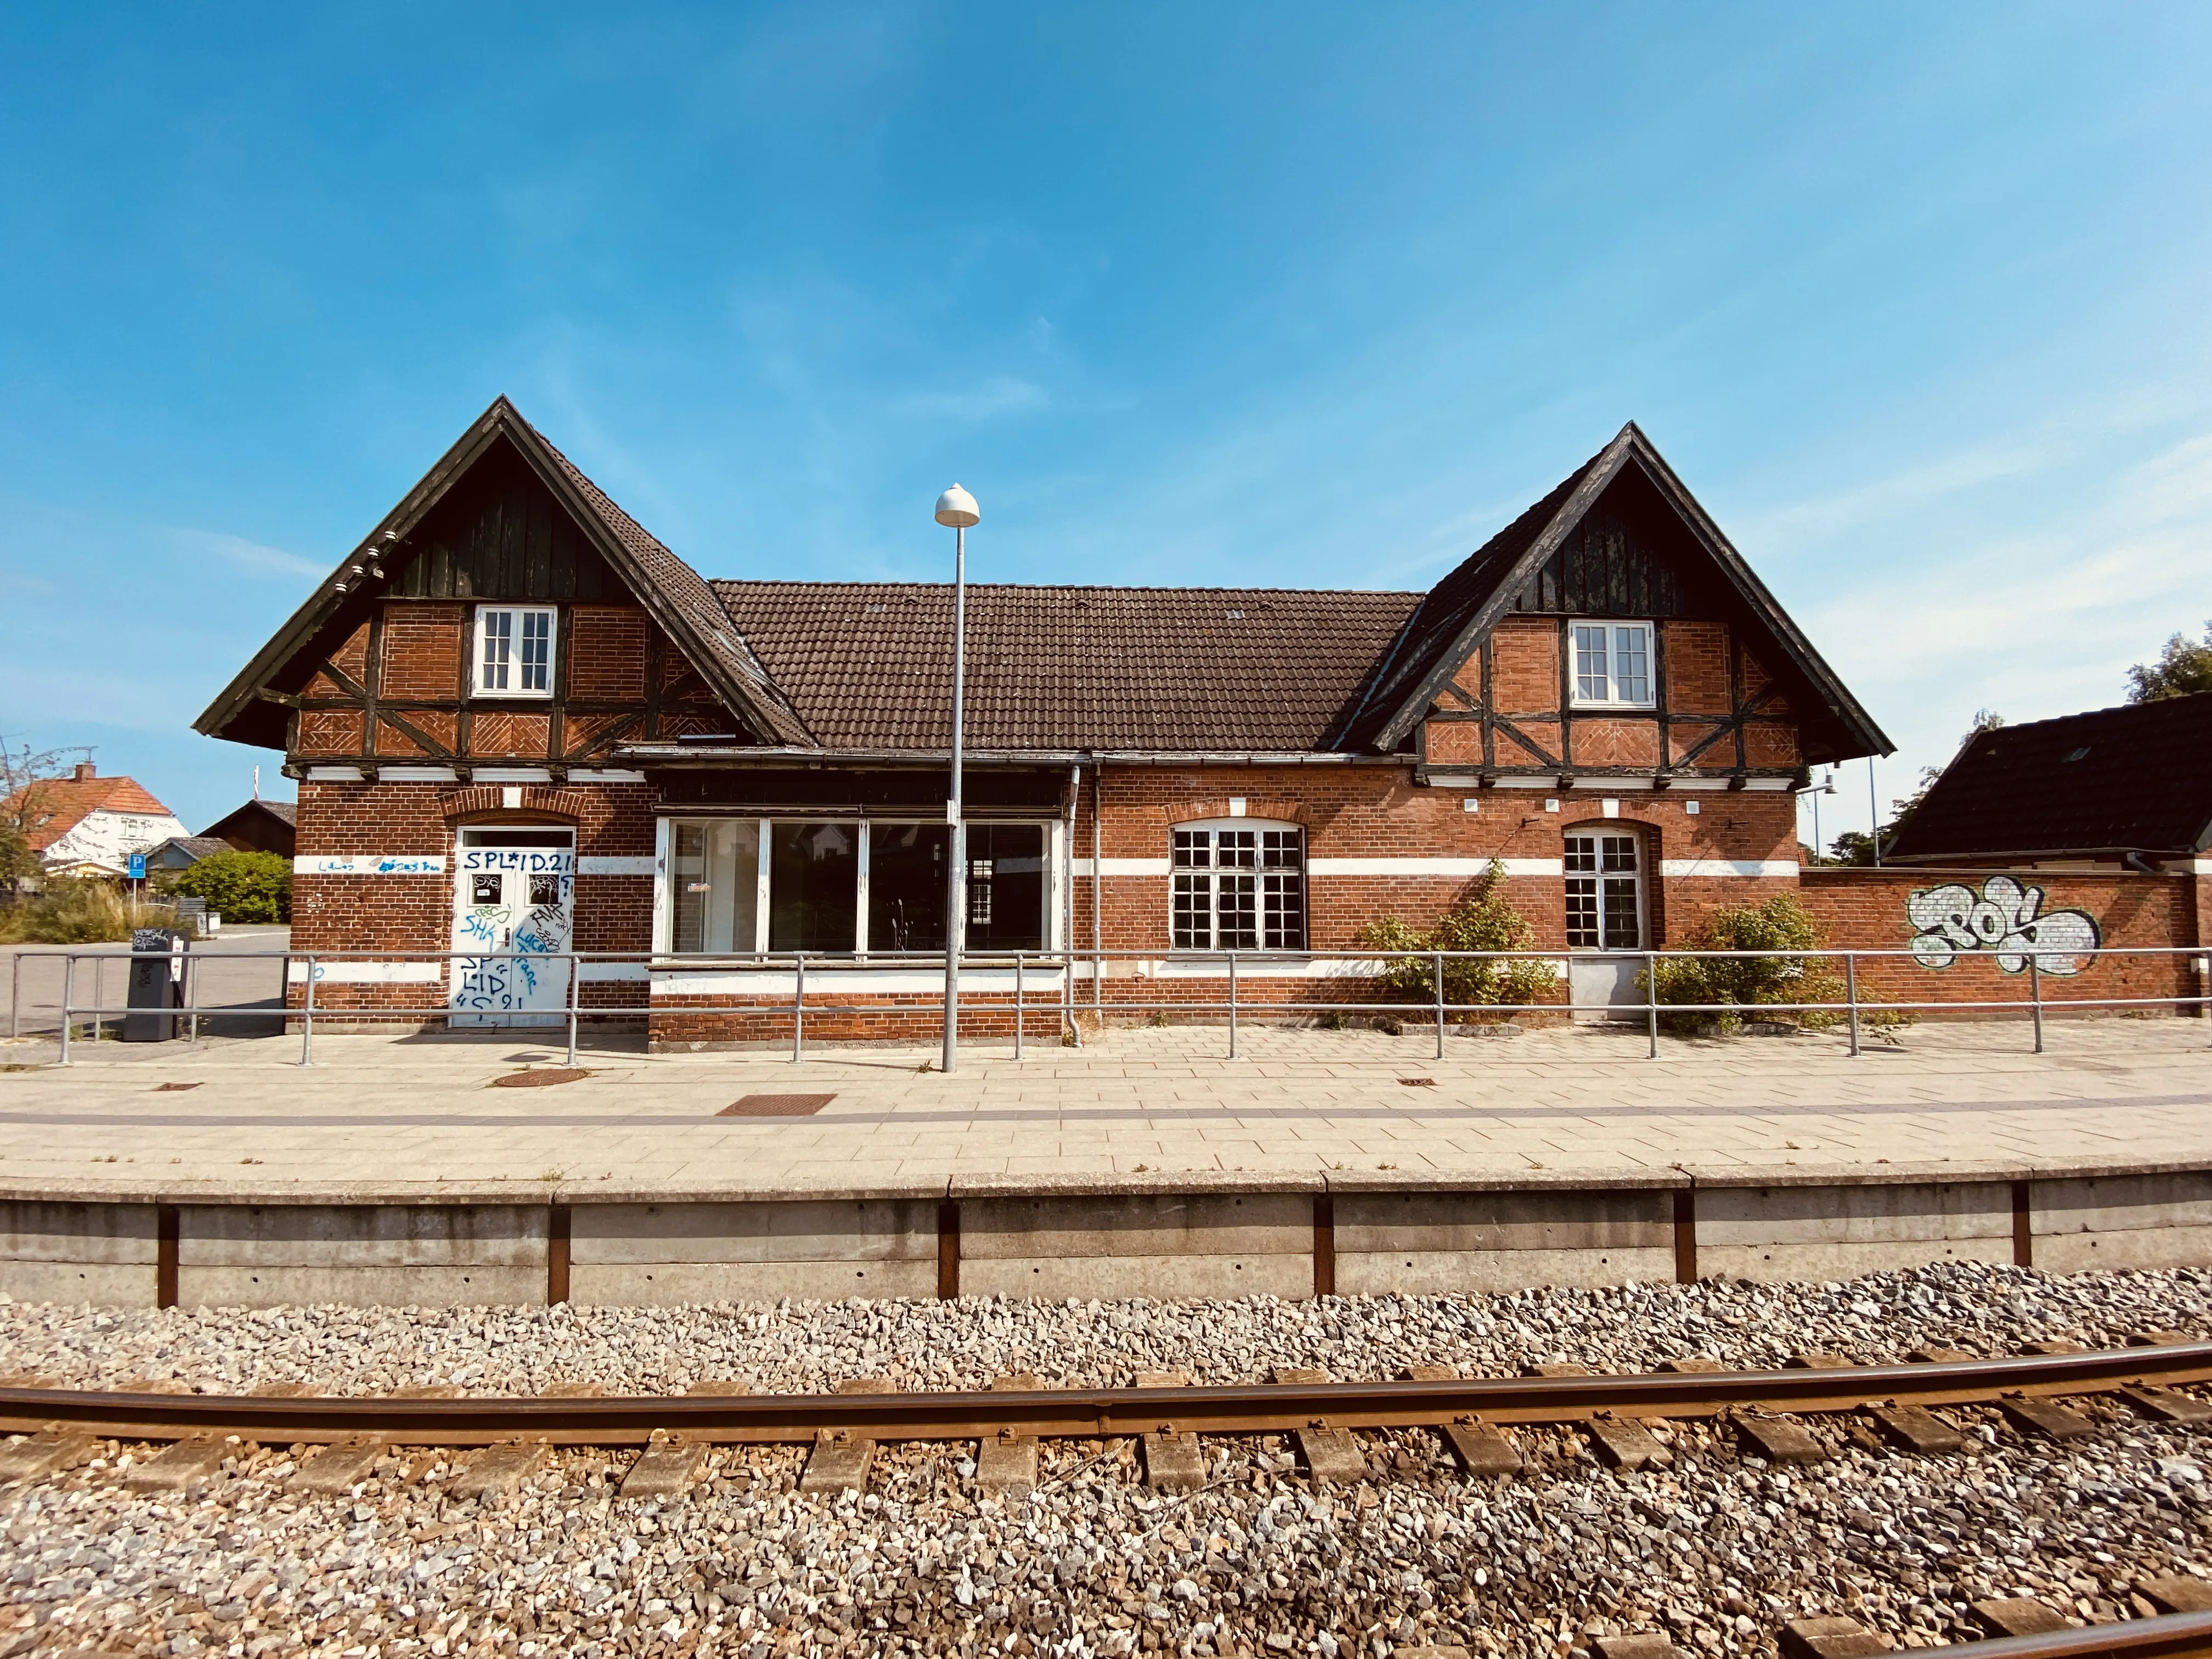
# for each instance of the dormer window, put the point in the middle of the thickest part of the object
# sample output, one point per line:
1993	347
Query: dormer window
1613	665
514	651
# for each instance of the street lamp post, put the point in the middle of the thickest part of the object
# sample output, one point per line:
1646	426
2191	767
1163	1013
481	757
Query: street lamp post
956	508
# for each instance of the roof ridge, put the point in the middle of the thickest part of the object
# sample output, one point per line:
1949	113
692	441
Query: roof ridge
1063	588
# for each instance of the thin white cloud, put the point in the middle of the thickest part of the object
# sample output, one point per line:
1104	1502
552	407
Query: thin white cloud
1002	394
252	558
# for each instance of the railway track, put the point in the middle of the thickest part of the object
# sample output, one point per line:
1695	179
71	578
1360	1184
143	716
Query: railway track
499	1443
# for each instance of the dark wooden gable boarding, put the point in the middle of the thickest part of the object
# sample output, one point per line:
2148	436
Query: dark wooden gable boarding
499	534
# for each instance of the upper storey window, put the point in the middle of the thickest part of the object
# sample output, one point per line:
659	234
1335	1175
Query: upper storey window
1613	665
514	651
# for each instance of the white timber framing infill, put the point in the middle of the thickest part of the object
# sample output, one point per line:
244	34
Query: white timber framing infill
1440	777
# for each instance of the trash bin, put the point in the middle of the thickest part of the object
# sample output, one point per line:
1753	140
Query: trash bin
157	984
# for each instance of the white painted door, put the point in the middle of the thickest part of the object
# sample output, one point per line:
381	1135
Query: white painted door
1605	914
514	889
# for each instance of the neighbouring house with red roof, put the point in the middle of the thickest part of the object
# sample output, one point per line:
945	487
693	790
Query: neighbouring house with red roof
519	722
87	825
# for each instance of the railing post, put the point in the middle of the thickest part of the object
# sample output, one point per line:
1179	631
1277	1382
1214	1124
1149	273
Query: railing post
799	1011
2035	996
307	1022
1232	1004
15	994
1651	1001
69	988
575	995
99	994
1018	1004
192	1001
1440	1004
1851	994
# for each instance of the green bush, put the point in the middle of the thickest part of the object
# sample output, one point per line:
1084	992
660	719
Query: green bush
1739	984
1481	921
241	887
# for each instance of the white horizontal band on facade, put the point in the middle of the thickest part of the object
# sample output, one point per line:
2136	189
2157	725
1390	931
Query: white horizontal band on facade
605	973
2200	866
884	982
417	775
367	973
1082	867
1381	867
334	774
592	865
369	864
1420	867
509	774
604	775
1783	867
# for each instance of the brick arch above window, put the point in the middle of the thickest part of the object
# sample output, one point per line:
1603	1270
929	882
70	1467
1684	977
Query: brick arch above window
484	800
1205	809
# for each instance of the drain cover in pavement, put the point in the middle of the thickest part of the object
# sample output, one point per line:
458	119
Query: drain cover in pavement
775	1106
544	1080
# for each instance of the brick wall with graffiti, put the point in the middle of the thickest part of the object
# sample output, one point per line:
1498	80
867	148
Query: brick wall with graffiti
1972	933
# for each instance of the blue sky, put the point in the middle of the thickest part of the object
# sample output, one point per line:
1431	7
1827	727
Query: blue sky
1913	297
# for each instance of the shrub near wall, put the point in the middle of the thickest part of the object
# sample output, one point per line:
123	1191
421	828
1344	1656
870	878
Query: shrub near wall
241	887
1867	910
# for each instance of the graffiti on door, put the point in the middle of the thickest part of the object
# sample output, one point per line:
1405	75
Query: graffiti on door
2002	920
520	900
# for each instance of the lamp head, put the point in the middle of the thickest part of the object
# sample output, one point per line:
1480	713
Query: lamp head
956	509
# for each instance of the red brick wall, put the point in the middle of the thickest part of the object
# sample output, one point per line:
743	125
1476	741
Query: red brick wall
1865	909
422	650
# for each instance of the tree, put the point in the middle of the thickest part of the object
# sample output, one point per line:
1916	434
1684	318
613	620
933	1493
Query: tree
1856	847
2182	670
23	803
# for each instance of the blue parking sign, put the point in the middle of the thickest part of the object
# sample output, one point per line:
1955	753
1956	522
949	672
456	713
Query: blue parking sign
137	867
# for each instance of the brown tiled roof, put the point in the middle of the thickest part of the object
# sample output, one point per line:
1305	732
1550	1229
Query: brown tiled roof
869	664
51	807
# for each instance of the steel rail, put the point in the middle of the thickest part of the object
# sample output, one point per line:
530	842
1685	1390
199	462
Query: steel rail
1087	1414
2174	1636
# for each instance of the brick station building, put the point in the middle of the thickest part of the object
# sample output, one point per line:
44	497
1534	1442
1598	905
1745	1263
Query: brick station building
520	723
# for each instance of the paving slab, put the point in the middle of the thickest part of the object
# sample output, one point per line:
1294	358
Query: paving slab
397	1117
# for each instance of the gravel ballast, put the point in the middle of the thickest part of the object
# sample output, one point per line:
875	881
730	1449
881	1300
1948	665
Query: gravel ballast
1715	1547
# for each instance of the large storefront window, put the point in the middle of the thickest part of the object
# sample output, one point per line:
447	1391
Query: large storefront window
714	874
847	886
813	886
906	885
1006	887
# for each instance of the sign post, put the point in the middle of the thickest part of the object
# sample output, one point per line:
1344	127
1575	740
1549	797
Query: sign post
137	879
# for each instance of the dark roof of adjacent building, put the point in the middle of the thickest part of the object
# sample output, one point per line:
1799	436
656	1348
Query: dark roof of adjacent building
2112	781
194	848
869	664
268	825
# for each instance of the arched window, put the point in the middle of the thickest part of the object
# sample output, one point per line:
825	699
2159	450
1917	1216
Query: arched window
1240	884
1605	888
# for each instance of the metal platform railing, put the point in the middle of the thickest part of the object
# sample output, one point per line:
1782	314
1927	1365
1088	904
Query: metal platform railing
1250	985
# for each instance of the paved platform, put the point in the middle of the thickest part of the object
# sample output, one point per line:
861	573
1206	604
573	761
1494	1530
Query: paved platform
383	1118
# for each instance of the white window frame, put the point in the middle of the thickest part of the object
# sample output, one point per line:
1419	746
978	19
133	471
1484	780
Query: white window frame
1277	867
513	665
1611	631
1603	886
